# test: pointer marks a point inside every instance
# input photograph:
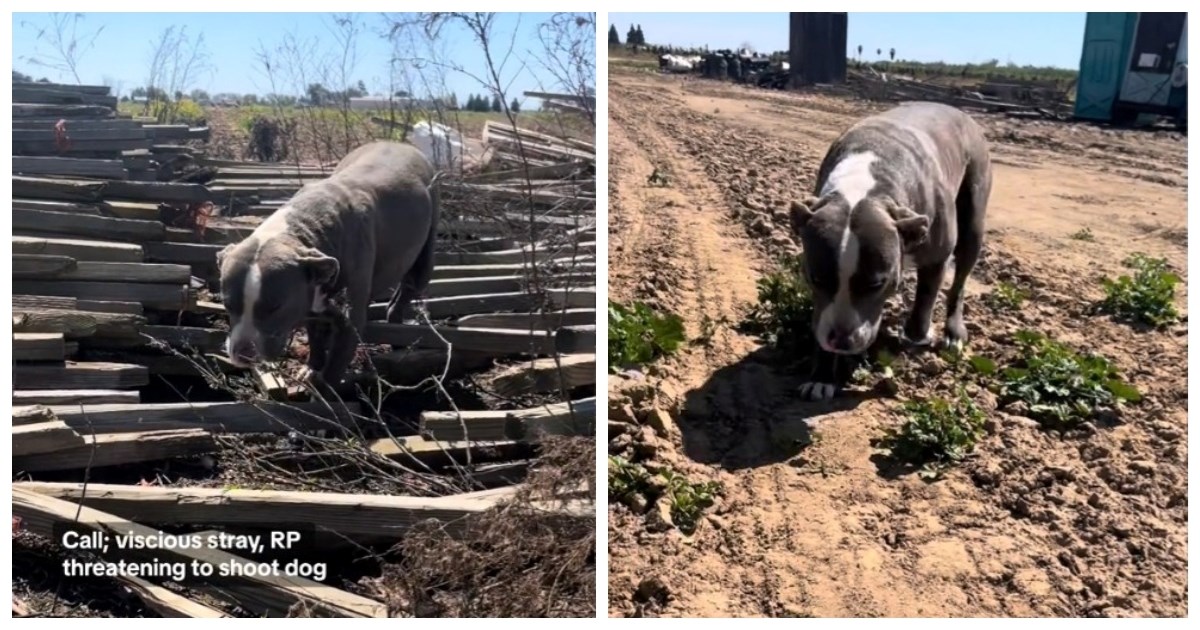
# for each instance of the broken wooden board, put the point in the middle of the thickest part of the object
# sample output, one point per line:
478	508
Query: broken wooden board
271	595
38	347
547	376
45	223
493	340
76	397
552	320
44	437
417	451
27	266
464	425
575	339
167	297
113	449
214	417
73	375
79	249
574	418
75	324
347	514
69	167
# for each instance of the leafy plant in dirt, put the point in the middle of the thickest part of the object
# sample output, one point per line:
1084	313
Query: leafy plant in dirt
1147	296
1061	387
625	478
936	434
658	179
1006	297
637	334
688	499
1084	234
784	311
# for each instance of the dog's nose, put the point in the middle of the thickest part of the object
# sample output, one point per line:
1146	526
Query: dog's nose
244	350
838	340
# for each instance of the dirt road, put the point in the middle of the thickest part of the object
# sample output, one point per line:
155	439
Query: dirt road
1091	522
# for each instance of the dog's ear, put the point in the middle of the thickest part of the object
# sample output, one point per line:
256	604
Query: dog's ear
223	253
802	213
321	268
913	227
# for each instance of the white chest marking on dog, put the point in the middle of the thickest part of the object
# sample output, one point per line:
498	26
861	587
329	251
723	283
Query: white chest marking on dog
252	289
852	179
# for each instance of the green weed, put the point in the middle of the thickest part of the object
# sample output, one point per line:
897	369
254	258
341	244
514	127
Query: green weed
784	311
936	434
1084	234
637	334
1148	296
688	500
1006	297
1060	386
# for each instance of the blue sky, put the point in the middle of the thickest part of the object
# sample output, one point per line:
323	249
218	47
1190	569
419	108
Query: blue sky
1041	39
122	50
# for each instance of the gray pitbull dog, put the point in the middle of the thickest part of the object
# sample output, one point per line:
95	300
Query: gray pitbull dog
906	187
368	231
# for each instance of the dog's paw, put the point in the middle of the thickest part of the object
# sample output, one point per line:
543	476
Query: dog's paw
818	391
953	344
923	342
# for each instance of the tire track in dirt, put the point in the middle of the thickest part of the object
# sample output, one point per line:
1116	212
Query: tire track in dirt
1027	528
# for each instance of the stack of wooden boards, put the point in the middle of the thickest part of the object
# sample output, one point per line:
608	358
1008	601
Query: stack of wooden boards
106	279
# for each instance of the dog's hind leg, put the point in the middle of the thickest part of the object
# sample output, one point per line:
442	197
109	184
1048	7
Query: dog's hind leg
417	279
972	208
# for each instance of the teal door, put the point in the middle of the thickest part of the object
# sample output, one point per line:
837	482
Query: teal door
1106	43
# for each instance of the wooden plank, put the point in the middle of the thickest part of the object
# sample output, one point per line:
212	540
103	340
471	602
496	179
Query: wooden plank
572	297
44	437
215	417
68	223
494	340
547	376
272	595
27	266
158	191
38	347
76	397
452	287
142	211
78	135
186	336
75	324
168	603
575	339
531	321
31	414
34	110
409	450
91	149
577	417
73	375
114	449
76	207
440	308
347	514
78	249
108	306
44	301
182	253
168	297
60	189
464	425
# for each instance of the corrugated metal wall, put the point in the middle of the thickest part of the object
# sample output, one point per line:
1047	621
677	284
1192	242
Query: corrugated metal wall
817	48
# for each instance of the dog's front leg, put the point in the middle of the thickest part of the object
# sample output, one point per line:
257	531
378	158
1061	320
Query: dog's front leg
823	383
345	337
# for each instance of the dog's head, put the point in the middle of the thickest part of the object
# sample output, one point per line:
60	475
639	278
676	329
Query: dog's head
268	291
853	260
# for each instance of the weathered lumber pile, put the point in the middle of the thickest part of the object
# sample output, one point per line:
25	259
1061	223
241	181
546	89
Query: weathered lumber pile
1015	100
115	295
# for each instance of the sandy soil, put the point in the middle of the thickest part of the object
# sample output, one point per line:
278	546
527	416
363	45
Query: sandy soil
1087	523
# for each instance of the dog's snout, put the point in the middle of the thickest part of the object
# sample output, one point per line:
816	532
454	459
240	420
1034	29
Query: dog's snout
839	339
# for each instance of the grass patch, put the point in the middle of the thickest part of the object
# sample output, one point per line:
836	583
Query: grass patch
1148	296
936	434
688	500
1006	297
1085	235
784	311
637	334
1061	387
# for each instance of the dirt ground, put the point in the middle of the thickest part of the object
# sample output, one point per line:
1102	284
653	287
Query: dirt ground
1090	522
